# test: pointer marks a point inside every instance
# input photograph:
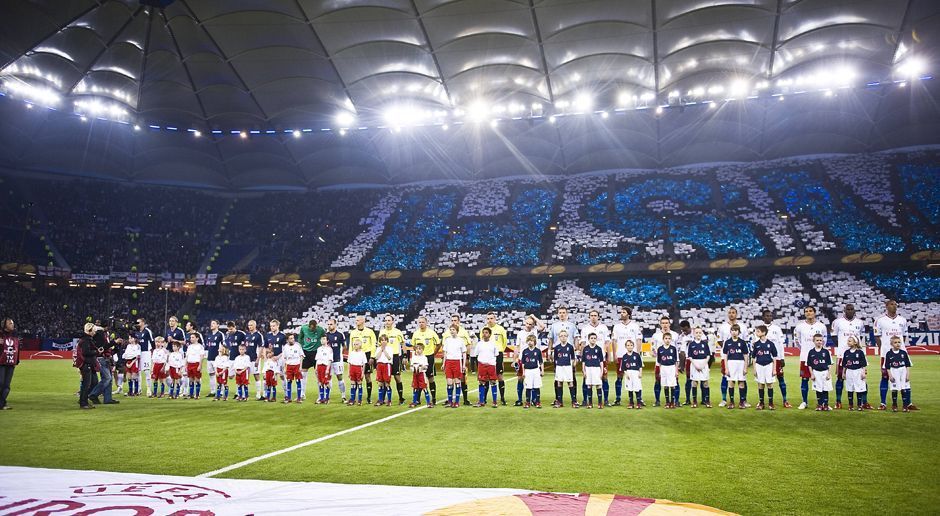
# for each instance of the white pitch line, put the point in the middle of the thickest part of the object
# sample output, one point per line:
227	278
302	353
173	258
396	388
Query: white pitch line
275	453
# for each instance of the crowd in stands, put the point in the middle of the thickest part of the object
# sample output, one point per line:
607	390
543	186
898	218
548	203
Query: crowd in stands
854	228
100	226
419	228
289	232
59	311
862	203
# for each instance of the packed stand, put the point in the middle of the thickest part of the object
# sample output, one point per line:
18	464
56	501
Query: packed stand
100	226
296	231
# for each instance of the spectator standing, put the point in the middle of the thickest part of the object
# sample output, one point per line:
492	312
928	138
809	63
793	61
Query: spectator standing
9	358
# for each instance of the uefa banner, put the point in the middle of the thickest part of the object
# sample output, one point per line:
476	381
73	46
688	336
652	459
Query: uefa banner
66	492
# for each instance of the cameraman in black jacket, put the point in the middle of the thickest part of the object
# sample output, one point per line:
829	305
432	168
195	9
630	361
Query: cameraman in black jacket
88	356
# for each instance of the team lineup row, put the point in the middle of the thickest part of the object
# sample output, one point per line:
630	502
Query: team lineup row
278	356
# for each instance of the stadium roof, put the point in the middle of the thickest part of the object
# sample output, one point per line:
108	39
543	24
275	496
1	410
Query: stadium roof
387	91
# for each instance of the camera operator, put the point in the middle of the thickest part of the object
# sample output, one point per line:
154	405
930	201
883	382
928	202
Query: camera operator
104	347
86	359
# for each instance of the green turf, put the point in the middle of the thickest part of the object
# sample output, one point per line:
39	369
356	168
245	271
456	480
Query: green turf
784	462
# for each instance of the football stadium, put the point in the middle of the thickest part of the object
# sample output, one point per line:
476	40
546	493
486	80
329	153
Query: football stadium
469	257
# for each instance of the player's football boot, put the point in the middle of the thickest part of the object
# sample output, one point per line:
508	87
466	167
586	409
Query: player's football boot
771	407
694	405
344	399
868	406
912	407
729	406
894	407
412	405
743	405
616	403
495	404
819	408
786	404
882	407
527	405
600	406
827	408
707	405
905	409
802	406
656	404
466	402
575	404
687	403
518	403
377	403
838	405
746	405
538	405
760	406
723	403
387	403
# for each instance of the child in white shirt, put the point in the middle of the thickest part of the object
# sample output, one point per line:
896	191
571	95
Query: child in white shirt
324	366
131	358
357	362
222	364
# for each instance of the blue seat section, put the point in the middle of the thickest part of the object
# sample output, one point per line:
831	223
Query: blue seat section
641	292
654	293
803	194
921	189
419	228
717	236
386	298
502	298
907	286
588	258
515	241
731	195
716	291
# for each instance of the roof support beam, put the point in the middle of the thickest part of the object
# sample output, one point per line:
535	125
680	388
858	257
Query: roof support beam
659	150
905	20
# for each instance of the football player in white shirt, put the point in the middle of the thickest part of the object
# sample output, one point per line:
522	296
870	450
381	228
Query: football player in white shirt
624	330
803	338
890	324
664	324
845	326
603	341
724	333
293	356
775	335
195	352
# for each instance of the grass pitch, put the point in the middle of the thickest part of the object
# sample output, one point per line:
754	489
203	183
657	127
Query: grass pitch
782	462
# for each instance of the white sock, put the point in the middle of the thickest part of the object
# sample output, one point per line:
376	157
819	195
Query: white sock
303	384
342	388
120	382
144	377
259	389
212	383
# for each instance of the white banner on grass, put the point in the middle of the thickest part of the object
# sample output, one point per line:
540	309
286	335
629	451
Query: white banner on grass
69	492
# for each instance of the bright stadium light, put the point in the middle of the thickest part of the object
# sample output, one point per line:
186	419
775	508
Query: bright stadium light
912	67
478	111
345	119
552	119
583	101
296	133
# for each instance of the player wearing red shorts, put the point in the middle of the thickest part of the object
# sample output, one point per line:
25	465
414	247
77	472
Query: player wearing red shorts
293	356
487	353
221	365
419	379
455	351
195	352
176	363
357	363
242	366
383	371
324	370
